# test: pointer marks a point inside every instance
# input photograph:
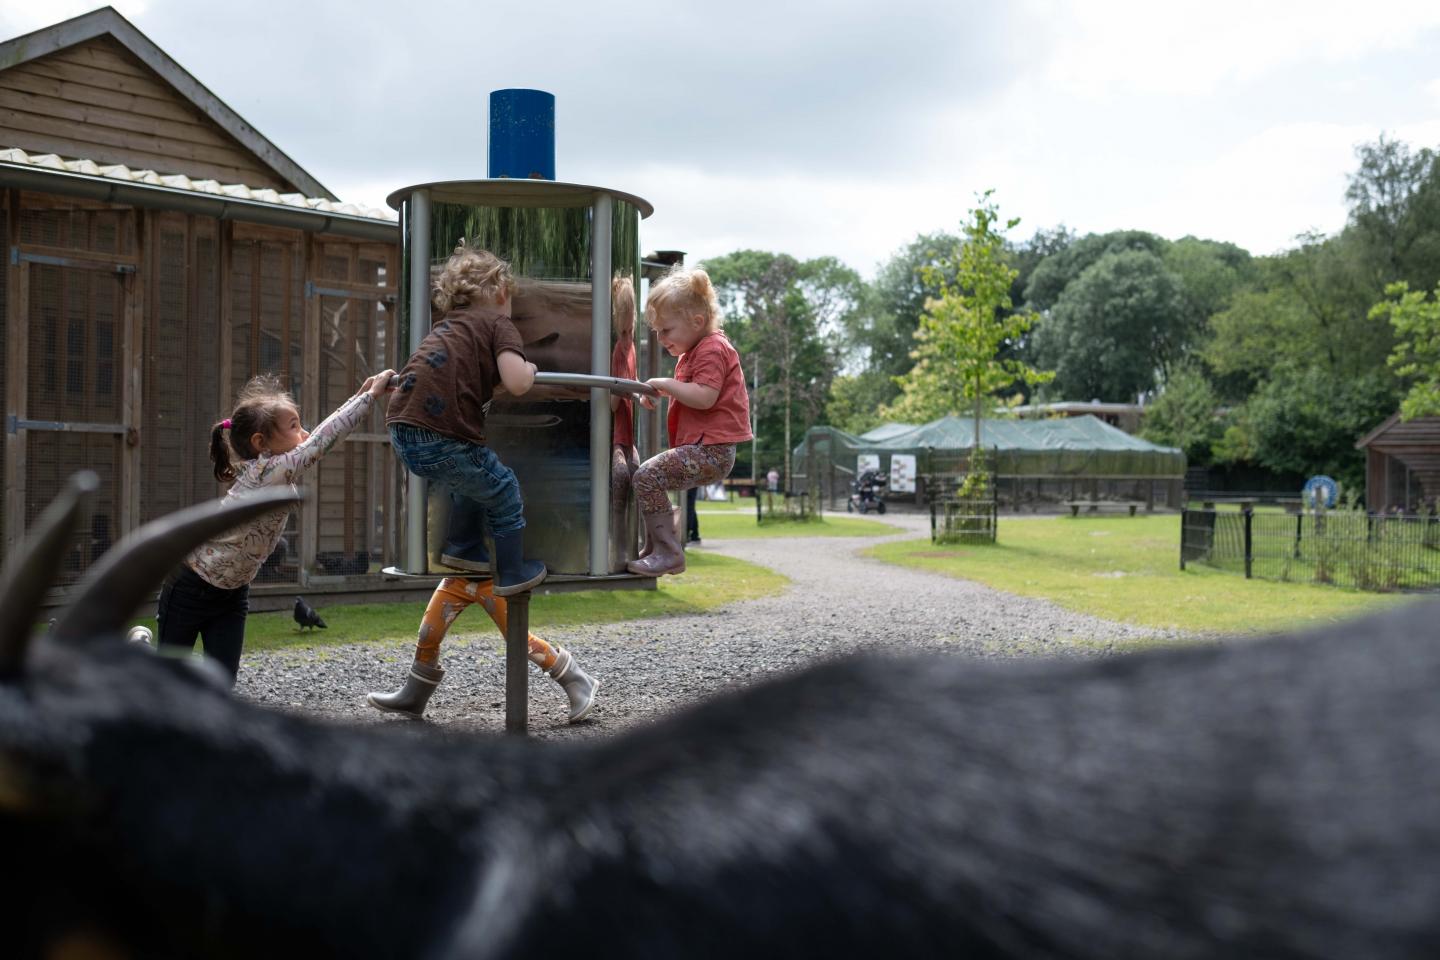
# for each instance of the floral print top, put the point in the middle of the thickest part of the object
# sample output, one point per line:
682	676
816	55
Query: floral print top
232	559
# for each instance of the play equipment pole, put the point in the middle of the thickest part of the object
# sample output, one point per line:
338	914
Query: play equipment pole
600	436
522	146
416	491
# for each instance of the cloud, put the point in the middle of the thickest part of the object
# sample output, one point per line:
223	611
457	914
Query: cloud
22	18
761	86
844	129
1197	47
1263	192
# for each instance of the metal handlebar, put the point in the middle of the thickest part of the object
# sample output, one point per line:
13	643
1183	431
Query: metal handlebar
584	381
613	384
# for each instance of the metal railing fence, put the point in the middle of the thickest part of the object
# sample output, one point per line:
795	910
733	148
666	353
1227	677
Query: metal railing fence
1345	548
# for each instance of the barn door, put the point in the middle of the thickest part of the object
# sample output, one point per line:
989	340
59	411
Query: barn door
76	408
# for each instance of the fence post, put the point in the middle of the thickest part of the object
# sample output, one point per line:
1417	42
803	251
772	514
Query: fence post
1299	529
1249	516
1183	528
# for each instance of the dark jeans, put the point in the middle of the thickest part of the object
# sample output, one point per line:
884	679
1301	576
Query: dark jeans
189	607
692	521
467	469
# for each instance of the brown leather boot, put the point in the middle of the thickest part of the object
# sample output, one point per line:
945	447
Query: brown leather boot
666	555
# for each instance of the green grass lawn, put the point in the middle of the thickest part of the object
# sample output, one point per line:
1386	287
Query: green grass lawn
1128	569
709	581
742	526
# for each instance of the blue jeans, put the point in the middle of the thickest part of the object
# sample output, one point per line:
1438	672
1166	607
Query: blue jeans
466	469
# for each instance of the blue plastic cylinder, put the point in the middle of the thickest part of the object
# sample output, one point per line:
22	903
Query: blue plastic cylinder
522	134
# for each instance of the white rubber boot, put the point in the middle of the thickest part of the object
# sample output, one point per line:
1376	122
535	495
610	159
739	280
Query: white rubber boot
578	685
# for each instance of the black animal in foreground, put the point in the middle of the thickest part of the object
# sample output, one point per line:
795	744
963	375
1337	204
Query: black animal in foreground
306	615
1276	798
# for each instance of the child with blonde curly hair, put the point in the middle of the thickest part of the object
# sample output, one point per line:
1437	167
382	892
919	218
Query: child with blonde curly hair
437	415
709	410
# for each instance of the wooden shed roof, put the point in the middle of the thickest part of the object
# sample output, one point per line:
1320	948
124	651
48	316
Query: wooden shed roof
43	60
1395	433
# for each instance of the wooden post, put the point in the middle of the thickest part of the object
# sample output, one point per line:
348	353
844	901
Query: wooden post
311	402
17	365
138	308
225	314
517	664
1184	516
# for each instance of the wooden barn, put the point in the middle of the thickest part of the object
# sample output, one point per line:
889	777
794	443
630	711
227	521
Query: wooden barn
160	253
1402	465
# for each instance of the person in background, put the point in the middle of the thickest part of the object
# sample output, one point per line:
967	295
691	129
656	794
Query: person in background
692	519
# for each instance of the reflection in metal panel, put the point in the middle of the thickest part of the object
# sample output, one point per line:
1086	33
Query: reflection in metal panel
572	449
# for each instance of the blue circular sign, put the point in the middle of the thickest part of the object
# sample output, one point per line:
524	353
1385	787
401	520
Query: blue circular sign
1320	490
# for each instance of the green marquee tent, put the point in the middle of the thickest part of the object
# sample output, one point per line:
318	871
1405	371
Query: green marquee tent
1068	449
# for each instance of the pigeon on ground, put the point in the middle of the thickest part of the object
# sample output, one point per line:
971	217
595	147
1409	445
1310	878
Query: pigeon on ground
306	616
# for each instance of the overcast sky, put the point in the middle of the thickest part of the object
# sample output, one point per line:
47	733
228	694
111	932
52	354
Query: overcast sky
839	128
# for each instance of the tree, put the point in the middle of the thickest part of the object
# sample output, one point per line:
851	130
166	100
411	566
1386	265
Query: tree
856	401
886	334
1329	277
1416	320
1116	330
1302	422
784	317
1309	306
1057	272
1210	273
1184	415
1395	212
964	330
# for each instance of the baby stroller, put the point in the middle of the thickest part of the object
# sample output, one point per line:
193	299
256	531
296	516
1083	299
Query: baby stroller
866	493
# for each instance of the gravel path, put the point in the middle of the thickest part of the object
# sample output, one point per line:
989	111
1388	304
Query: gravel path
839	602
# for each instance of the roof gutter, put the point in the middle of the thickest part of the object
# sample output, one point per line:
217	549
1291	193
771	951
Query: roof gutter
107	190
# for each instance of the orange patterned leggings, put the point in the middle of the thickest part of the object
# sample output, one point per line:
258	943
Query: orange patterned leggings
450	599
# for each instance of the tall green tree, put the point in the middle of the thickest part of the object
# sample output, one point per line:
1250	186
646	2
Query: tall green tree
857	401
884	336
965	329
1416	319
1302	422
1055	273
1394	198
1211	273
1185	415
1116	329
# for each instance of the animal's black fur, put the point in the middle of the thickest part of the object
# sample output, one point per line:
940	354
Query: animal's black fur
1275	798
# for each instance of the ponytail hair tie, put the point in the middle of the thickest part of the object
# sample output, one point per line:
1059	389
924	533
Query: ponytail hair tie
225	424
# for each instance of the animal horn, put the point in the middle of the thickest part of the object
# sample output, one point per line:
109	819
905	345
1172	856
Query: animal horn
32	568
115	585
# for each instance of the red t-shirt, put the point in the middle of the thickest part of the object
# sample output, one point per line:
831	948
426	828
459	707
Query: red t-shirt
712	362
622	365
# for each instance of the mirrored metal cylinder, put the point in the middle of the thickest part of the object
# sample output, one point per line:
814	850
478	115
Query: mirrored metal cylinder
575	253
